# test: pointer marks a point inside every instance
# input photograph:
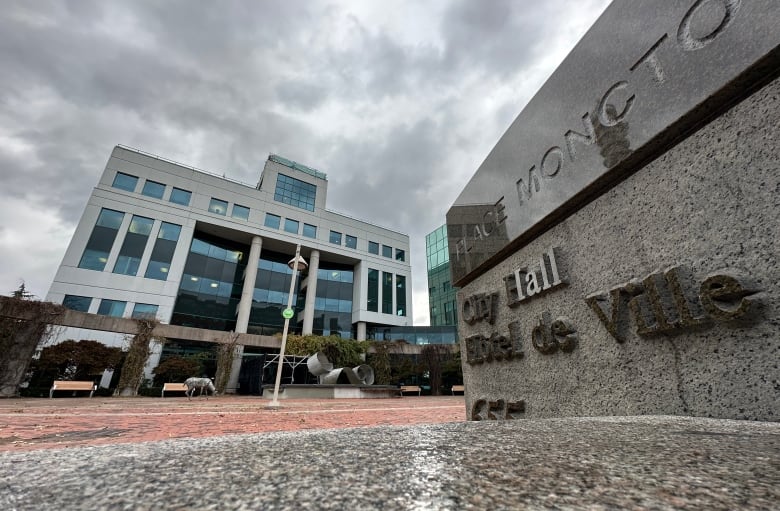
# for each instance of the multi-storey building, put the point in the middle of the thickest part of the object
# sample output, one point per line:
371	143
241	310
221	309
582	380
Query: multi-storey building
442	297
158	238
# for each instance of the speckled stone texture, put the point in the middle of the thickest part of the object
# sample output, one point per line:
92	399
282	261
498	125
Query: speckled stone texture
710	204
570	463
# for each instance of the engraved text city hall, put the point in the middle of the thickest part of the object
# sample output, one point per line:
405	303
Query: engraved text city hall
660	303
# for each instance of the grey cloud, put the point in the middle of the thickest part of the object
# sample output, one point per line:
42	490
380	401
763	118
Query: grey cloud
219	85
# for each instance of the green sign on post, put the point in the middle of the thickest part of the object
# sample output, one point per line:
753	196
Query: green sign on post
287	313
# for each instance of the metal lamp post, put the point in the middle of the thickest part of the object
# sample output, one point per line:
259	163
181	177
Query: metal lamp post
295	263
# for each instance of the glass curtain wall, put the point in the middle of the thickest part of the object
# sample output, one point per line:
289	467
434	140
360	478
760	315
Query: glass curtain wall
400	295
442	297
333	300
272	287
101	240
373	290
133	247
387	293
211	284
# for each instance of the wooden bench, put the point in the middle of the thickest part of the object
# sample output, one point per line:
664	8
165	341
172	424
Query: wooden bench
173	387
411	388
458	388
72	385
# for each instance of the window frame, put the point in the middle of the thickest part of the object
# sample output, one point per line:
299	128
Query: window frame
174	193
271	216
125	174
144	189
233	212
290	221
310	226
217	202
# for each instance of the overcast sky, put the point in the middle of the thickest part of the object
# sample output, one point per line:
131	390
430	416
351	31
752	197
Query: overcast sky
399	102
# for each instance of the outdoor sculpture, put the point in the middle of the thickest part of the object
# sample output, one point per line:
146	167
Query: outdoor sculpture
201	384
322	368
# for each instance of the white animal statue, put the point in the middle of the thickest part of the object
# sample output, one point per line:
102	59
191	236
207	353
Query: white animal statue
200	384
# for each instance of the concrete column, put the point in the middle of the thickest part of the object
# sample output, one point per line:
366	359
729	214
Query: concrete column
247	292
361	331
232	385
311	292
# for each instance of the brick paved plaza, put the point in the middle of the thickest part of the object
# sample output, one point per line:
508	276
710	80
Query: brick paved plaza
31	424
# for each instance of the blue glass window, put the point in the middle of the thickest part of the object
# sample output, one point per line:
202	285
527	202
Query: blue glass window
373	247
211	285
77	303
240	212
295	192
387	251
133	247
400	255
101	240
153	189
179	196
125	182
373	290
272	221
350	242
310	231
400	295
335	237
162	253
387	293
218	206
144	311
291	225
113	308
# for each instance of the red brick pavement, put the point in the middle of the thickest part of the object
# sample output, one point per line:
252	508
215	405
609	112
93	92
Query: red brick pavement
28	424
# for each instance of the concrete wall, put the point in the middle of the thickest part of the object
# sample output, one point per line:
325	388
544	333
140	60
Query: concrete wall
710	206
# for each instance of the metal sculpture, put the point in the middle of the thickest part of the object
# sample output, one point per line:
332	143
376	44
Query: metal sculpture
322	368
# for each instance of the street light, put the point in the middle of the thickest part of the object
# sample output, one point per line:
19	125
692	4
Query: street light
295	263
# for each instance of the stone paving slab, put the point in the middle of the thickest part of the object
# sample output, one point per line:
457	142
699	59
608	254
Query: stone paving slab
27	424
573	463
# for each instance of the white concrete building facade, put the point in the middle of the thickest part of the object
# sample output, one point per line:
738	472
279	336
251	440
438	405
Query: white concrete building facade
158	238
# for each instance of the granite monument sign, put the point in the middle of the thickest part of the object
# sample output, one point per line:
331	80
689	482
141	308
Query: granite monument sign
617	251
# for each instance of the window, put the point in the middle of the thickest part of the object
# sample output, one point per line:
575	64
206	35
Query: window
400	295
179	196
350	242
113	308
310	231
125	182
295	192
144	311
373	290
240	212
335	237
400	255
387	293
387	251
218	206
373	248
162	253
272	221
291	225
133	247
101	240
77	303
153	189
